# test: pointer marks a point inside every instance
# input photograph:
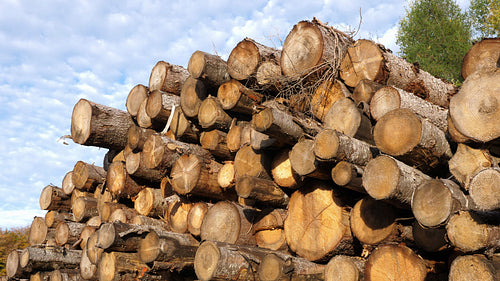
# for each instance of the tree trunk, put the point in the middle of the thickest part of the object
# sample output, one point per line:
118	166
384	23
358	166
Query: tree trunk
345	268
212	116
275	267
345	117
167	77
282	171
192	94
113	265
467	161
364	91
168	247
84	208
330	145
470	231
98	125
160	104
317	225
248	56
387	178
389	98
483	55
265	192
278	124
366	59
215	141
309	45
161	152
192	175
135	166
182	128
137	136
304	162
229	222
249	162
53	198
485	190
34	259
67	183
211	69
411	139
86	177
435	201
395	262
150	202
195	217
238	135
39	232
475	267
119	182
325	95
474	110
348	175
135	97
68	233
233	96
52	218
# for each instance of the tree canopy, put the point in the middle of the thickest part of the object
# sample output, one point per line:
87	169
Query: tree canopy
11	239
484	16
437	35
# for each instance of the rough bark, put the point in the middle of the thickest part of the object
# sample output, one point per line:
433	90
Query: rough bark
235	97
387	178
211	69
317	225
475	109
86	177
53	198
135	97
475	267
98	125
368	60
192	94
325	95
229	222
469	231
483	55
263	191
345	117
167	77
119	182
282	172
34	259
52	218
411	139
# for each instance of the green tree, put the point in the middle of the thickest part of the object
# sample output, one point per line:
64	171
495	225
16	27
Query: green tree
436	34
484	16
11	239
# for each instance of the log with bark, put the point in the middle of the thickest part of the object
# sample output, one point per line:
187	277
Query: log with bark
248	56
167	77
118	236
177	215
211	69
282	172
345	117
469	231
13	267
52	218
68	233
115	264
484	54
150	202
274	267
330	145
120	183
325	95
137	136
86	177
53	198
277	123
98	125
265	192
35	259
369	60
474	110
39	232
467	161
304	161
84	208
135	166
175	248
345	268
212	116
195	217
431	240
475	267
182	128
269	230
215	141
235	97
317	225
192	94
160	104
412	139
135	97
484	189
250	162
238	135
348	175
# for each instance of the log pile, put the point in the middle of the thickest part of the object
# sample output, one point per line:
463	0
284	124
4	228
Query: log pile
331	159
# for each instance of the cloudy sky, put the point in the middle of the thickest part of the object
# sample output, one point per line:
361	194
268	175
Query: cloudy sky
52	53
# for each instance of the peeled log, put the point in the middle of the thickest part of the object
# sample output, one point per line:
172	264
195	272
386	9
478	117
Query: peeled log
395	262
309	45
229	222
411	139
385	177
87	177
475	109
325	95
317	225
234	96
345	117
470	231
484	189
369	60
135	97
475	267
98	125
119	182
248	56
192	94
389	98
211	69
167	77
53	198
483	55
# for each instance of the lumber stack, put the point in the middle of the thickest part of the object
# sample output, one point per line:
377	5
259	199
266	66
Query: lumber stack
331	159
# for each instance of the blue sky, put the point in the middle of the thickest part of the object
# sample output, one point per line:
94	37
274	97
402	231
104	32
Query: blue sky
52	53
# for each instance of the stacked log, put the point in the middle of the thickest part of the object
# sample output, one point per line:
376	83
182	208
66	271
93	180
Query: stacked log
348	163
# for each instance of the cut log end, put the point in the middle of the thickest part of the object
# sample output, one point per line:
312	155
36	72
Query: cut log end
149	247
381	177
229	94
38	231
372	221
383	101
302	157
144	202
363	60
152	151
226	176
206	260
467	232
185	173
326	144
473	267
391	262
67	183
134	99
222	223
282	171
243	60
154	104
344	116
397	132
432	203
12	265
193	93
341	268
342	173
115	180
485	190
196	64
80	121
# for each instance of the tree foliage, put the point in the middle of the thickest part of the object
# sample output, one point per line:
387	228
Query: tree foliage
16	238
484	16
437	35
